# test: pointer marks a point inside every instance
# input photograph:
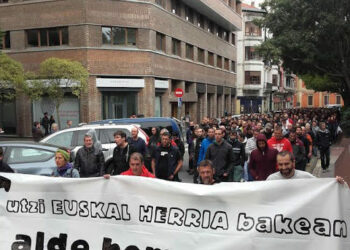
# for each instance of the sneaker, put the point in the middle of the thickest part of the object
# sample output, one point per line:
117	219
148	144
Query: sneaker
324	170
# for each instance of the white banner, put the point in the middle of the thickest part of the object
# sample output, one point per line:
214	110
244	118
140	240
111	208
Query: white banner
135	213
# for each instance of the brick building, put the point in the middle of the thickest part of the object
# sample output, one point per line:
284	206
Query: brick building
307	98
137	53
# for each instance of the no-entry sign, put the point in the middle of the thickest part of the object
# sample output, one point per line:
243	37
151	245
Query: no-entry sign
179	92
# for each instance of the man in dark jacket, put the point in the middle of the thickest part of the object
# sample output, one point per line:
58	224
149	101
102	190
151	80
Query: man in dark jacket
238	154
121	154
197	143
166	160
323	142
45	121
298	150
89	160
3	165
220	153
137	142
262	161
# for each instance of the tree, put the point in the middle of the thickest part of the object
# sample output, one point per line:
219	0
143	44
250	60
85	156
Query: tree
11	78
312	38
55	76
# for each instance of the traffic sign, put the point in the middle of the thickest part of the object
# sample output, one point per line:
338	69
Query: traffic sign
179	102
179	92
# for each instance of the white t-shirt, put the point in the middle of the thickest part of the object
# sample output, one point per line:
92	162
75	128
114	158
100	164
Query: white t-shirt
298	174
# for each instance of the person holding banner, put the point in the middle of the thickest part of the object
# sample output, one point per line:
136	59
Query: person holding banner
137	167
206	173
64	167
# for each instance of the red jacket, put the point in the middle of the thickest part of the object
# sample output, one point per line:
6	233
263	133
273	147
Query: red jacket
262	163
145	172
280	145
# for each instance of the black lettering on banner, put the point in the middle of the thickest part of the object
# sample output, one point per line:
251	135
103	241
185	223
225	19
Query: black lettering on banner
107	245
33	207
193	217
132	248
245	223
57	207
282	225
112	211
24	242
125	212
220	220
175	216
264	225
160	215
70	207
39	241
12	206
151	248
80	245
41	206
302	226
96	210
84	209
146	213
322	227
24	204
59	243
340	229
206	219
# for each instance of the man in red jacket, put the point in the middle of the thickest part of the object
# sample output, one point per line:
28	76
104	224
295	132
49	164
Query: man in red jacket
263	159
278	142
137	168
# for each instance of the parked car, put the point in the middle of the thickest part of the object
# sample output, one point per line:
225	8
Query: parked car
73	138
146	124
28	157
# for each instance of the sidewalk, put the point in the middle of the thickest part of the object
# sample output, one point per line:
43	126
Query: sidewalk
336	151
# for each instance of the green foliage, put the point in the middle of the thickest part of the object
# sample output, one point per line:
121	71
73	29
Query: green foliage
313	37
320	83
11	78
270	53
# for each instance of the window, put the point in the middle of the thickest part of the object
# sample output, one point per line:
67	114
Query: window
4	1
310	100
274	80
200	21
119	36
226	35
251	54
200	55
326	100
62	139
176	48
233	66
27	155
211	26
161	3
47	37
6	41
211	58
189	51
187	87
233	41
338	99
252	30
219	62
252	77
220	33
160	42
226	64
176	7
189	14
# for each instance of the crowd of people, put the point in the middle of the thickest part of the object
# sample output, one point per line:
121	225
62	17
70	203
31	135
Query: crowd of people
253	147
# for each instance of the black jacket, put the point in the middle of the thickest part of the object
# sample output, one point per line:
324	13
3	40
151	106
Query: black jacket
89	163
221	156
5	168
238	152
323	139
121	158
197	148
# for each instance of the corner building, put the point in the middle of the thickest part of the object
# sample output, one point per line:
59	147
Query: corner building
137	53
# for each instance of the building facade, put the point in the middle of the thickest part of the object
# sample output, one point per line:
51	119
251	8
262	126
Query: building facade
256	81
137	53
307	98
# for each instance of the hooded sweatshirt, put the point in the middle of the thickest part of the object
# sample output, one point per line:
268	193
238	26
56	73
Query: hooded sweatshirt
262	161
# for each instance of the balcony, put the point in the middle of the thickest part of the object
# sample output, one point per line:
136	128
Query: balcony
217	11
253	86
